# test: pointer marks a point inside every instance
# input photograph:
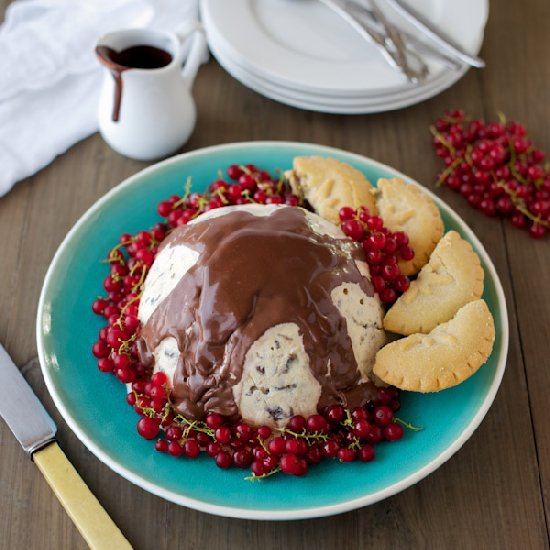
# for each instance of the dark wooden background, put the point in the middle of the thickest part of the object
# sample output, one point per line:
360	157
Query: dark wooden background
494	493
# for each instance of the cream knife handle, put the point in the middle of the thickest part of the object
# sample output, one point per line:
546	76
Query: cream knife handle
90	518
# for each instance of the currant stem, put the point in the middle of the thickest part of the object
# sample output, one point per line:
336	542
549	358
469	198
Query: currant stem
407	425
254	477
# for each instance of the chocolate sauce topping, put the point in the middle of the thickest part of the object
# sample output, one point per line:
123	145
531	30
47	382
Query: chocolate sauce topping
254	272
140	56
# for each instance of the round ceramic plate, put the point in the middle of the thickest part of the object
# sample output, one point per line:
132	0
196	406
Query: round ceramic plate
93	403
304	45
347	106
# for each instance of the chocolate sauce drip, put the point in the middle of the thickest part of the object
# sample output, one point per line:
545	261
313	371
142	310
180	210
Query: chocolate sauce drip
253	273
140	56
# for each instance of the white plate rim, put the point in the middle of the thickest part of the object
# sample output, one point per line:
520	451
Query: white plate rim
348	107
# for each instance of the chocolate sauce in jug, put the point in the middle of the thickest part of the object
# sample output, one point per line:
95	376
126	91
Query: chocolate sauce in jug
140	56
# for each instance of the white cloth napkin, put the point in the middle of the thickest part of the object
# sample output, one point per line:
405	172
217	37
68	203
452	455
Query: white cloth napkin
49	75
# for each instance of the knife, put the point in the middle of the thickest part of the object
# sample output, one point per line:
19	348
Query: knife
436	36
35	430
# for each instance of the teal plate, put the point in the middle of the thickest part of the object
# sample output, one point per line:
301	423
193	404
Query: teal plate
93	403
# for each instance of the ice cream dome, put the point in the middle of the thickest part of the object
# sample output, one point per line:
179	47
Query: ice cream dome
261	311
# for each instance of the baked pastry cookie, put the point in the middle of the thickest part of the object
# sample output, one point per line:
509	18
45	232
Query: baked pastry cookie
452	278
404	207
445	357
328	184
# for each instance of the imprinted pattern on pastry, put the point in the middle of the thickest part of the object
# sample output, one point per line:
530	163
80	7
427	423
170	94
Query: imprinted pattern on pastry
445	357
452	278
404	207
328	184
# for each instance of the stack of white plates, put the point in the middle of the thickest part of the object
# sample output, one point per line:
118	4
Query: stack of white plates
301	53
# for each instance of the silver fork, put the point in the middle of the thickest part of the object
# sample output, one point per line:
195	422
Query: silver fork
384	35
410	41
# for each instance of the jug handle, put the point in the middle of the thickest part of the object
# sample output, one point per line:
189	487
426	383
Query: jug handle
197	52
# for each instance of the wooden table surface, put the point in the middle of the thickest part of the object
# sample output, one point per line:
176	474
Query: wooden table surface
494	493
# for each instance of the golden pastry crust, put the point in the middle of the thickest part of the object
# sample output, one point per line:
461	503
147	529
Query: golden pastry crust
452	278
404	207
329	184
445	357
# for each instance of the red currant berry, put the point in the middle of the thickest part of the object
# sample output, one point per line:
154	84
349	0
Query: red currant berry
353	229
375	435
290	464
234	192
393	432
223	435
377	240
148	428
214	421
274	199
374	257
264	432
388	295
317	423
270	462
100	349
292	200
296	446
335	413
258	468
391	245
359	413
402	283
234	172
105	365
120	360
245	431
131	399
384	396
296	423
519	220
330	448
346	213
383	415
378	283
277	446
375	223
314	455
346	455
191	448
213	448
99	305
361	428
159	379
537	231
390	272
161	445
366	453
223	460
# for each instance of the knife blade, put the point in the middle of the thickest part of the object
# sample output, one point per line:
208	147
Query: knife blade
20	408
433	34
35	430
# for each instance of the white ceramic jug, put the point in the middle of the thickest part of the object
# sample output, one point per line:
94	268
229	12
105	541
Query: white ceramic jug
146	110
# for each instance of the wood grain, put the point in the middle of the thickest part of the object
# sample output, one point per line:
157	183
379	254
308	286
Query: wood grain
494	493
